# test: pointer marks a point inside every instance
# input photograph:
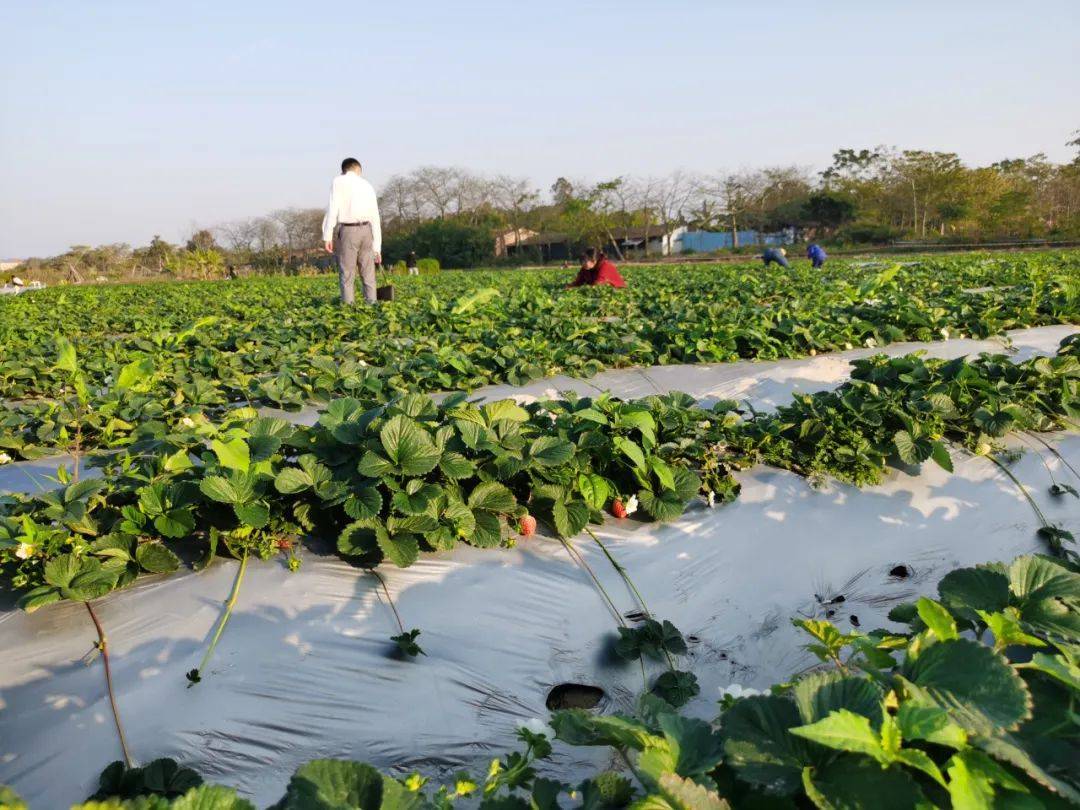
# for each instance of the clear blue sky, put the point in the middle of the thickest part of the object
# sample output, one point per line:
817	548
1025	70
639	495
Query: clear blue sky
120	119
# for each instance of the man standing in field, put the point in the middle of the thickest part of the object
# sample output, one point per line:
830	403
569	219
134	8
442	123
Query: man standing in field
352	221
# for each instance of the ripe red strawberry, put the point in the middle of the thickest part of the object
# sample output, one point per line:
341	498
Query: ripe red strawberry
527	525
618	509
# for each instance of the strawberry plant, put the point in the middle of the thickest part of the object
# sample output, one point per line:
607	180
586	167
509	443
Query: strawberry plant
157	352
390	481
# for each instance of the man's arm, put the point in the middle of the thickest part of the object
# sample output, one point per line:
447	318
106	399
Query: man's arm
376	228
330	220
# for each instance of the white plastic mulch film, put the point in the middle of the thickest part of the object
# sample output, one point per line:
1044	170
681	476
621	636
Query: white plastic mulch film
305	668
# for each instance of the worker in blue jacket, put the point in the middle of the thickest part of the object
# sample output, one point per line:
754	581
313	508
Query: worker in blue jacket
778	255
817	255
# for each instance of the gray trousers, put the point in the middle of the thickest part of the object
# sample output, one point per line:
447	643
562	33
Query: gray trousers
353	246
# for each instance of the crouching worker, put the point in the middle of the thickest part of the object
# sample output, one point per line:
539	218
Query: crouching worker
596	269
778	255
816	254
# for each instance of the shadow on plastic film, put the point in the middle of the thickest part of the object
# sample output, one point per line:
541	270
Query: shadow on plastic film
288	685
843	554
763	393
38	475
488	667
260	699
64	712
230	728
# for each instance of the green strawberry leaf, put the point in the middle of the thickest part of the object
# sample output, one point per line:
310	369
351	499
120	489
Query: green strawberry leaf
156	558
233	454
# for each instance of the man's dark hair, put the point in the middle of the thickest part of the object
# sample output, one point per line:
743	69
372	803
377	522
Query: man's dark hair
348	164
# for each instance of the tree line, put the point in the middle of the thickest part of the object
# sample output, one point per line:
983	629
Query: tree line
464	218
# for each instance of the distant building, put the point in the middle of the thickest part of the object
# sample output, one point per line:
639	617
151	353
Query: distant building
555	246
10	264
708	241
511	238
653	240
545	247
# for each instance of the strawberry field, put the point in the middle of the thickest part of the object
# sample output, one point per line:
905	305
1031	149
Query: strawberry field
153	353
252	434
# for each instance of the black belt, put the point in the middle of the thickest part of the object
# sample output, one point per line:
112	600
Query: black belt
352	224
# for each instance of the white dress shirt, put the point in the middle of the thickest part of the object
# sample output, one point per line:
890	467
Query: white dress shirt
352	199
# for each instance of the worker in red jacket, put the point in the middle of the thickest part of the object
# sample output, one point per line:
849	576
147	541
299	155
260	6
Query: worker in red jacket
596	269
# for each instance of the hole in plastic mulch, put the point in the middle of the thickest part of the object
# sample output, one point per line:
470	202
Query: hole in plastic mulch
574	696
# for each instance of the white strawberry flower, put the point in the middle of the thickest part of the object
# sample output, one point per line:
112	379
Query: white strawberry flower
537	726
5	458
25	551
362	362
187	422
631	505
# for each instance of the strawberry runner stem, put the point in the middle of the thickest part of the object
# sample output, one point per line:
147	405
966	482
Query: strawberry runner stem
630	583
630	766
621	571
1045	463
389	598
576	556
1023	490
103	646
229	605
1055	451
78	447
